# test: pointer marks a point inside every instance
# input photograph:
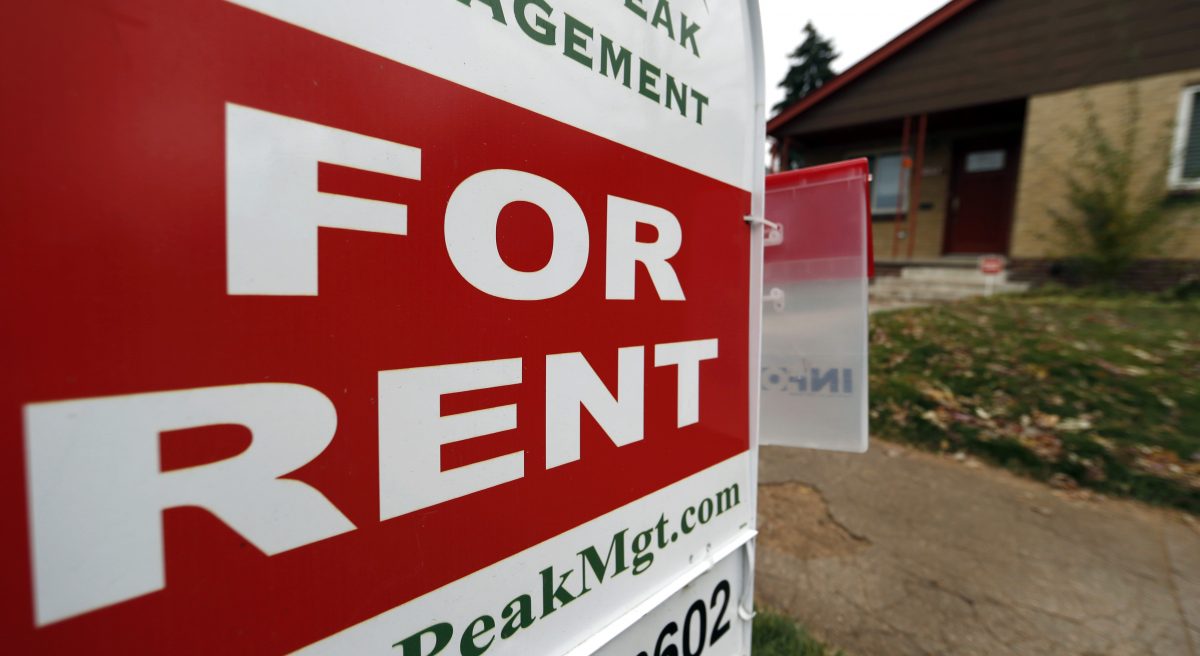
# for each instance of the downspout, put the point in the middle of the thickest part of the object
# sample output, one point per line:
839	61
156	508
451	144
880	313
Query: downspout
901	219
914	200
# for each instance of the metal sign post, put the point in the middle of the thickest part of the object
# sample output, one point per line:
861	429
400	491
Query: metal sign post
360	327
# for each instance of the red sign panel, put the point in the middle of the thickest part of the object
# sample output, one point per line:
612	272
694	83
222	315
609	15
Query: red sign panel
117	254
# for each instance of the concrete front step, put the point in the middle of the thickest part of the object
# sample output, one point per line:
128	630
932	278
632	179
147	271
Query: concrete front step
910	290
887	305
947	274
980	281
917	295
970	287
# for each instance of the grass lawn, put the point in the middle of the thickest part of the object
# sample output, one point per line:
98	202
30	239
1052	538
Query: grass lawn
1096	392
778	635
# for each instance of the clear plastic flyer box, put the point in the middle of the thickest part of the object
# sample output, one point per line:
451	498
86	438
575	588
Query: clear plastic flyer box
816	268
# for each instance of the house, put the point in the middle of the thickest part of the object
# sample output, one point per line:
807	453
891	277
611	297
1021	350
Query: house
982	98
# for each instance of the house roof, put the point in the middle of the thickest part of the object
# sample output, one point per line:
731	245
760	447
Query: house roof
971	54
870	62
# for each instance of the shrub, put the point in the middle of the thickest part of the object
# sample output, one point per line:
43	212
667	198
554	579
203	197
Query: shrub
1116	200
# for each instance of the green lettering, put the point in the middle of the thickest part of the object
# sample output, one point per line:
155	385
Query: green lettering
467	644
618	61
687	32
678	93
497	12
572	41
632	5
550	593
663	10
442	632
521	618
728	498
701	101
688	526
643	557
661	529
591	558
648	80
542	30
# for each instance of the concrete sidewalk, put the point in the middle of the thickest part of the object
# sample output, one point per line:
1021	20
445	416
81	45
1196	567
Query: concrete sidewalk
903	552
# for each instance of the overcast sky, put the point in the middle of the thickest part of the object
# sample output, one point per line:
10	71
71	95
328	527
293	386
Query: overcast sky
857	28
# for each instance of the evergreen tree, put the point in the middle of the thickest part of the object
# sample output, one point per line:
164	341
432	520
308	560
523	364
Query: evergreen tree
810	69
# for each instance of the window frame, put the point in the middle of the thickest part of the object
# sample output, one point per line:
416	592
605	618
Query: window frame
1187	105
873	157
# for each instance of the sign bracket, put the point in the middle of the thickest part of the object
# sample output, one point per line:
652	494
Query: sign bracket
772	232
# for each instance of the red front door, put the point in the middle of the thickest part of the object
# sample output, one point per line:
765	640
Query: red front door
982	193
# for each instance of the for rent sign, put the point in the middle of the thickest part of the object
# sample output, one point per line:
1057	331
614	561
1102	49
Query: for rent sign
373	327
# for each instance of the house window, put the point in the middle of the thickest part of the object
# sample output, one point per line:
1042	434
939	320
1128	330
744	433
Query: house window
887	191
1185	156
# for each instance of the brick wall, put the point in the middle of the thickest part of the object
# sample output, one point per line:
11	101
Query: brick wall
1145	275
1049	150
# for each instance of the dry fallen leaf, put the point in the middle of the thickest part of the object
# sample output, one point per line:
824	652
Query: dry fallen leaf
1119	370
1075	424
1045	446
939	395
933	418
1045	420
1062	481
1143	355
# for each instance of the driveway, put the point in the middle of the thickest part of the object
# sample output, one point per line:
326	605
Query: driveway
900	552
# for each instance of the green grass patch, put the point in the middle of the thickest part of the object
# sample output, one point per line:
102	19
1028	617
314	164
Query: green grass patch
1096	391
779	635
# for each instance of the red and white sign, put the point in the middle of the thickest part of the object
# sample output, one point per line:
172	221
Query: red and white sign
364	327
991	265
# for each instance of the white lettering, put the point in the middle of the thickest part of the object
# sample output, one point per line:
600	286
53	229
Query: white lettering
624	251
96	492
273	206
412	431
471	217
686	357
571	383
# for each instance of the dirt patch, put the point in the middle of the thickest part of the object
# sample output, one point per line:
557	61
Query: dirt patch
793	518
